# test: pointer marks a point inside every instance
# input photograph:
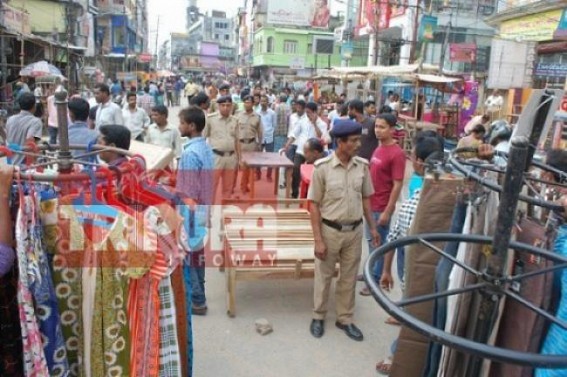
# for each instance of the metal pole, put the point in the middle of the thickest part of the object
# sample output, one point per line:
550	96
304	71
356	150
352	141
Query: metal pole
64	155
3	58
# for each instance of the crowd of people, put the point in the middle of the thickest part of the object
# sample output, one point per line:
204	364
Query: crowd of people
359	172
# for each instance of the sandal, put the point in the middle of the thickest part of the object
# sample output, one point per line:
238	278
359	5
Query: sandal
392	321
384	367
365	292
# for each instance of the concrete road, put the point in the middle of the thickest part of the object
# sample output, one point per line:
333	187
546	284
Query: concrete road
226	346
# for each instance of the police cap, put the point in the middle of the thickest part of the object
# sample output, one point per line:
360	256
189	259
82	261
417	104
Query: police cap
346	127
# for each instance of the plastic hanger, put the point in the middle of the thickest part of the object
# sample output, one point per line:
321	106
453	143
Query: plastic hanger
109	196
139	190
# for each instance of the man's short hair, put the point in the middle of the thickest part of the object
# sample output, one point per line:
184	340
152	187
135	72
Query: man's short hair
315	144
103	88
117	135
194	115
356	105
131	94
79	108
478	129
369	103
557	158
199	99
311	106
161	109
301	103
428	148
26	101
389	118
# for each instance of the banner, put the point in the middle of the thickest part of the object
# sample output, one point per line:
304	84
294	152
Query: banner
427	28
551	70
534	27
373	15
561	32
313	13
469	104
462	52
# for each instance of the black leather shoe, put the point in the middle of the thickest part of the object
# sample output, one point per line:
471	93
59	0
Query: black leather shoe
317	328
351	330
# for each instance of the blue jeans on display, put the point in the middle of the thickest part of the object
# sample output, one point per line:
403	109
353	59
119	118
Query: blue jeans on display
442	273
197	277
383	231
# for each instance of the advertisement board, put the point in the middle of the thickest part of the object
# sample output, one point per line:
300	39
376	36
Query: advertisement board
313	13
462	52
373	15
511	64
535	27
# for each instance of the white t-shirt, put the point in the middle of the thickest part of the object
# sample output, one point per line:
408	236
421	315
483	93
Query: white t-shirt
108	114
494	103
304	131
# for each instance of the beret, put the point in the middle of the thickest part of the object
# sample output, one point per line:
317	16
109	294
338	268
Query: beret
346	127
225	99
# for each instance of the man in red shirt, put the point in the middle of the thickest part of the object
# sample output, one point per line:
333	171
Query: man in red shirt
387	169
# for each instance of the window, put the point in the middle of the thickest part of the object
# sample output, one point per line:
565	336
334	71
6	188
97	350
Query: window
309	48
270	45
290	47
216	36
226	37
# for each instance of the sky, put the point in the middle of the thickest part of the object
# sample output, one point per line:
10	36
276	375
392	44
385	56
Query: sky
171	14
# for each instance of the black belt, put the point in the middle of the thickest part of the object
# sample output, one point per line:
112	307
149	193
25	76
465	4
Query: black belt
342	227
248	141
223	154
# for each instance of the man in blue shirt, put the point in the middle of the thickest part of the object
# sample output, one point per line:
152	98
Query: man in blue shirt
194	183
269	124
79	131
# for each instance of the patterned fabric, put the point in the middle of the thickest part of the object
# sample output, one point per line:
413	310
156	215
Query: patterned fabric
405	217
556	340
170	362
47	309
188	302
181	314
34	357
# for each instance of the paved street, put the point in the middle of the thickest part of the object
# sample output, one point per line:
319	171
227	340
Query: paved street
231	347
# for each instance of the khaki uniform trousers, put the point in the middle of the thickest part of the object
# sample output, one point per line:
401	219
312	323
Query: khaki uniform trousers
246	173
344	248
225	170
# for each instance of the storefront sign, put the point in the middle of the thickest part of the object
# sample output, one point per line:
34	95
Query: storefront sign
297	62
16	20
145	58
551	70
535	27
462	52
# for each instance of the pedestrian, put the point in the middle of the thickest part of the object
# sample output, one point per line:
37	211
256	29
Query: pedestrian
269	124
306	128
116	136
223	134
314	150
23	127
369	139
250	131
146	101
79	131
370	108
339	194
169	92
108	113
282	118
135	118
178	88
161	133
195	181
387	170
52	120
202	101
191	89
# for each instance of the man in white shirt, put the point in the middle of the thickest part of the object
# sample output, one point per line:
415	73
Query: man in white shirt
269	123
135	118
162	133
494	104
311	126
108	113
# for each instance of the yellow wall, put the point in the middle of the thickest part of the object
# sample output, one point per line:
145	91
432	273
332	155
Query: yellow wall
45	16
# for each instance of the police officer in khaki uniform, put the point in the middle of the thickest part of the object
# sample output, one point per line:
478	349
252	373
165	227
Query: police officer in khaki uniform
250	132
223	135
340	193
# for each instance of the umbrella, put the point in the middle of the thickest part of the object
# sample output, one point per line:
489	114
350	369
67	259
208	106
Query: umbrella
40	68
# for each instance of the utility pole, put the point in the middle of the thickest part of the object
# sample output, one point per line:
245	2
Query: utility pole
69	36
3	58
126	39
157	39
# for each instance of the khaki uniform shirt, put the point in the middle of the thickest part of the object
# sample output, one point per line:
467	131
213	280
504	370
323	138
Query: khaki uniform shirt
249	126
338	190
221	132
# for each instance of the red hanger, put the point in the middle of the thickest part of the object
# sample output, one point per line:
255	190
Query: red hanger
138	188
106	192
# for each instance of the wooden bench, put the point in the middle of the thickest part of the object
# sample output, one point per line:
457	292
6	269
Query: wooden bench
266	241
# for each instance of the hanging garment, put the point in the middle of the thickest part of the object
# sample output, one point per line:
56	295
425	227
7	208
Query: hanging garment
521	328
11	348
35	364
47	309
555	342
170	357
433	214
182	316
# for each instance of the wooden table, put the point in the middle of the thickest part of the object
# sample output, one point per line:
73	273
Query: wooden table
269	160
